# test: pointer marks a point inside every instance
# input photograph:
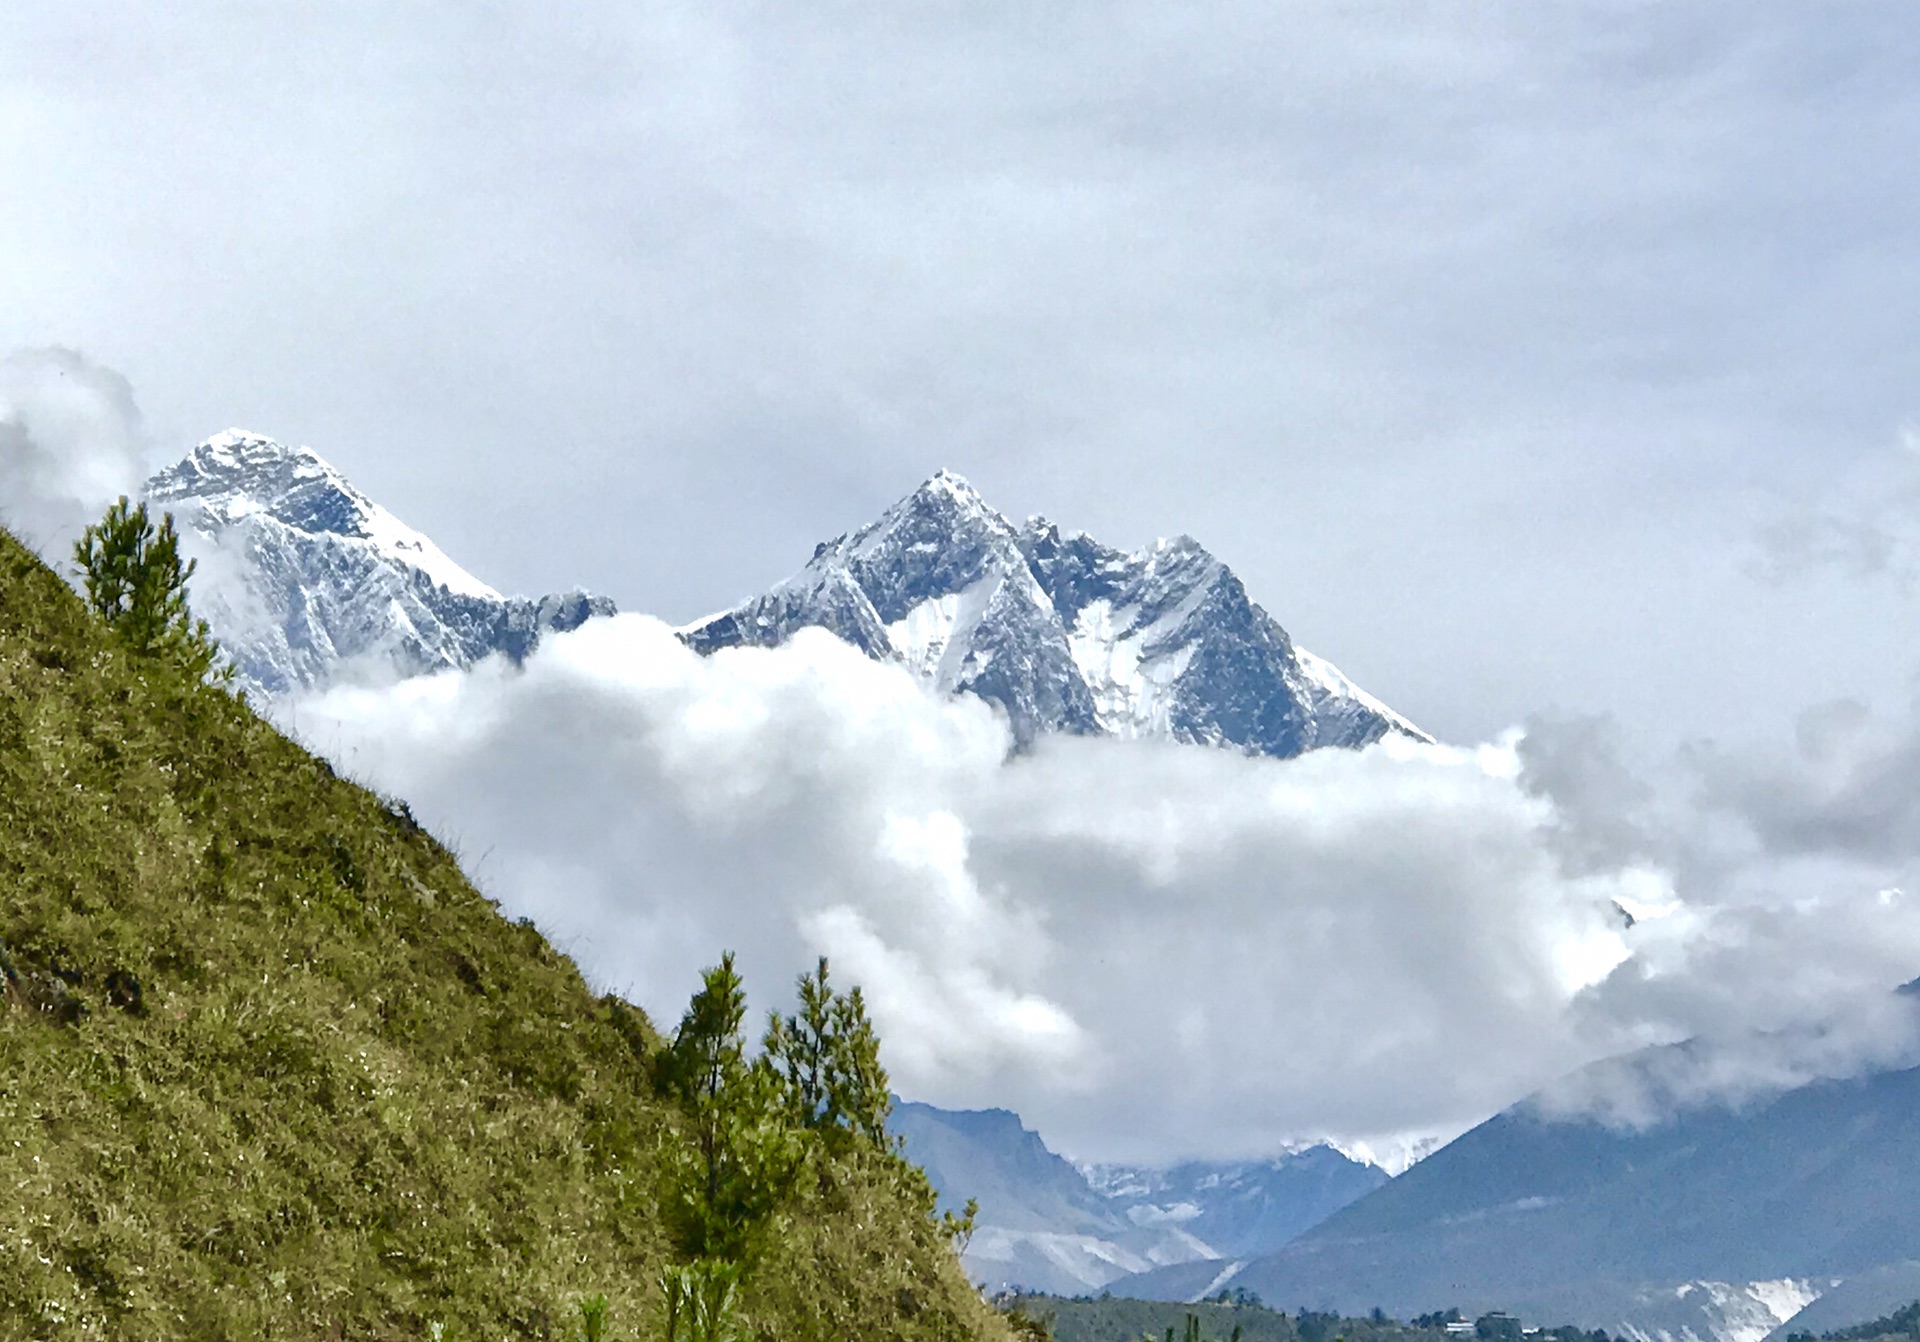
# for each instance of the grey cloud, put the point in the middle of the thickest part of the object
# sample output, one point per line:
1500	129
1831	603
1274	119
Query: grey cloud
1863	524
1642	1089
1600	805
1795	546
1848	788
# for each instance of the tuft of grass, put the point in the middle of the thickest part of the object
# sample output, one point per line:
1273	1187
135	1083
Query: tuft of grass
273	1068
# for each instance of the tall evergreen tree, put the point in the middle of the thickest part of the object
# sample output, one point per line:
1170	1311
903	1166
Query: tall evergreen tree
137	582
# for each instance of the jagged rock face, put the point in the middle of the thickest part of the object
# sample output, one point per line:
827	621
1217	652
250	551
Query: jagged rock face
1063	633
303	578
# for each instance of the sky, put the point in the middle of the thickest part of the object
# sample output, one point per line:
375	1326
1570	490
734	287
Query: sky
1542	366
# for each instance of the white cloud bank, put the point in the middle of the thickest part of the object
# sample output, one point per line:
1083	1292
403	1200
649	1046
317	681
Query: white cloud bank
70	444
1149	951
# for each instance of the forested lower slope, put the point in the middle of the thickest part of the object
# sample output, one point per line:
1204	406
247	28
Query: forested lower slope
273	1069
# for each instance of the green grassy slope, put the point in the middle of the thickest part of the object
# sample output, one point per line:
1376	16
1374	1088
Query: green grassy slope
270	1067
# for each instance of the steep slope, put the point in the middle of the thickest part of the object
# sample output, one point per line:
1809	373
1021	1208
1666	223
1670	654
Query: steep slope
1859	1300
304	576
1751	1213
1063	633
275	1069
1045	1224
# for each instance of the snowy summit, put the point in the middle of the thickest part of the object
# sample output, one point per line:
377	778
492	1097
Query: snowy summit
1061	632
303	576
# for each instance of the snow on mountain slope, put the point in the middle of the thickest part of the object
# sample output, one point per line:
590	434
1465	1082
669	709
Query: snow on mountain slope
1047	1224
236	475
1339	701
1244	1208
1063	633
304	578
1040	1224
1733	1311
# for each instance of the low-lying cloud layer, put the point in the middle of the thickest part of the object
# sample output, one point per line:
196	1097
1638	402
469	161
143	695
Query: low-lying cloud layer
1150	951
70	443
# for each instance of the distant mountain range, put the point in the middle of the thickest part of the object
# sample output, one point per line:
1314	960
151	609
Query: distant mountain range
1715	1226
304	578
1717	1222
1046	1224
1061	632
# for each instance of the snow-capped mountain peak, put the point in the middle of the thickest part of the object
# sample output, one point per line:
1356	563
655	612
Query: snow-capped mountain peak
955	486
942	538
305	576
1061	632
239	473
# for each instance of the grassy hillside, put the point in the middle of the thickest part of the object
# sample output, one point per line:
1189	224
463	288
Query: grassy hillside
273	1069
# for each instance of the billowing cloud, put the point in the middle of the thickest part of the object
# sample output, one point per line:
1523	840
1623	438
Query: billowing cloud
1148	950
70	443
1848	788
1599	803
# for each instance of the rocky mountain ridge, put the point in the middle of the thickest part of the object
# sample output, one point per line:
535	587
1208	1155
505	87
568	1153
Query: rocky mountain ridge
304	579
1063	633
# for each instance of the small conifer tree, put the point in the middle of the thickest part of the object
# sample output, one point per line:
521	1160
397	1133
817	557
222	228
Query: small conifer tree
742	1157
828	1058
861	1095
137	582
800	1048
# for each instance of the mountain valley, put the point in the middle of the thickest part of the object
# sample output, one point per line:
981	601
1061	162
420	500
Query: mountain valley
1046	1224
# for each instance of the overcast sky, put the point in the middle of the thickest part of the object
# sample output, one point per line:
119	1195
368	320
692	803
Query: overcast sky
1528	361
